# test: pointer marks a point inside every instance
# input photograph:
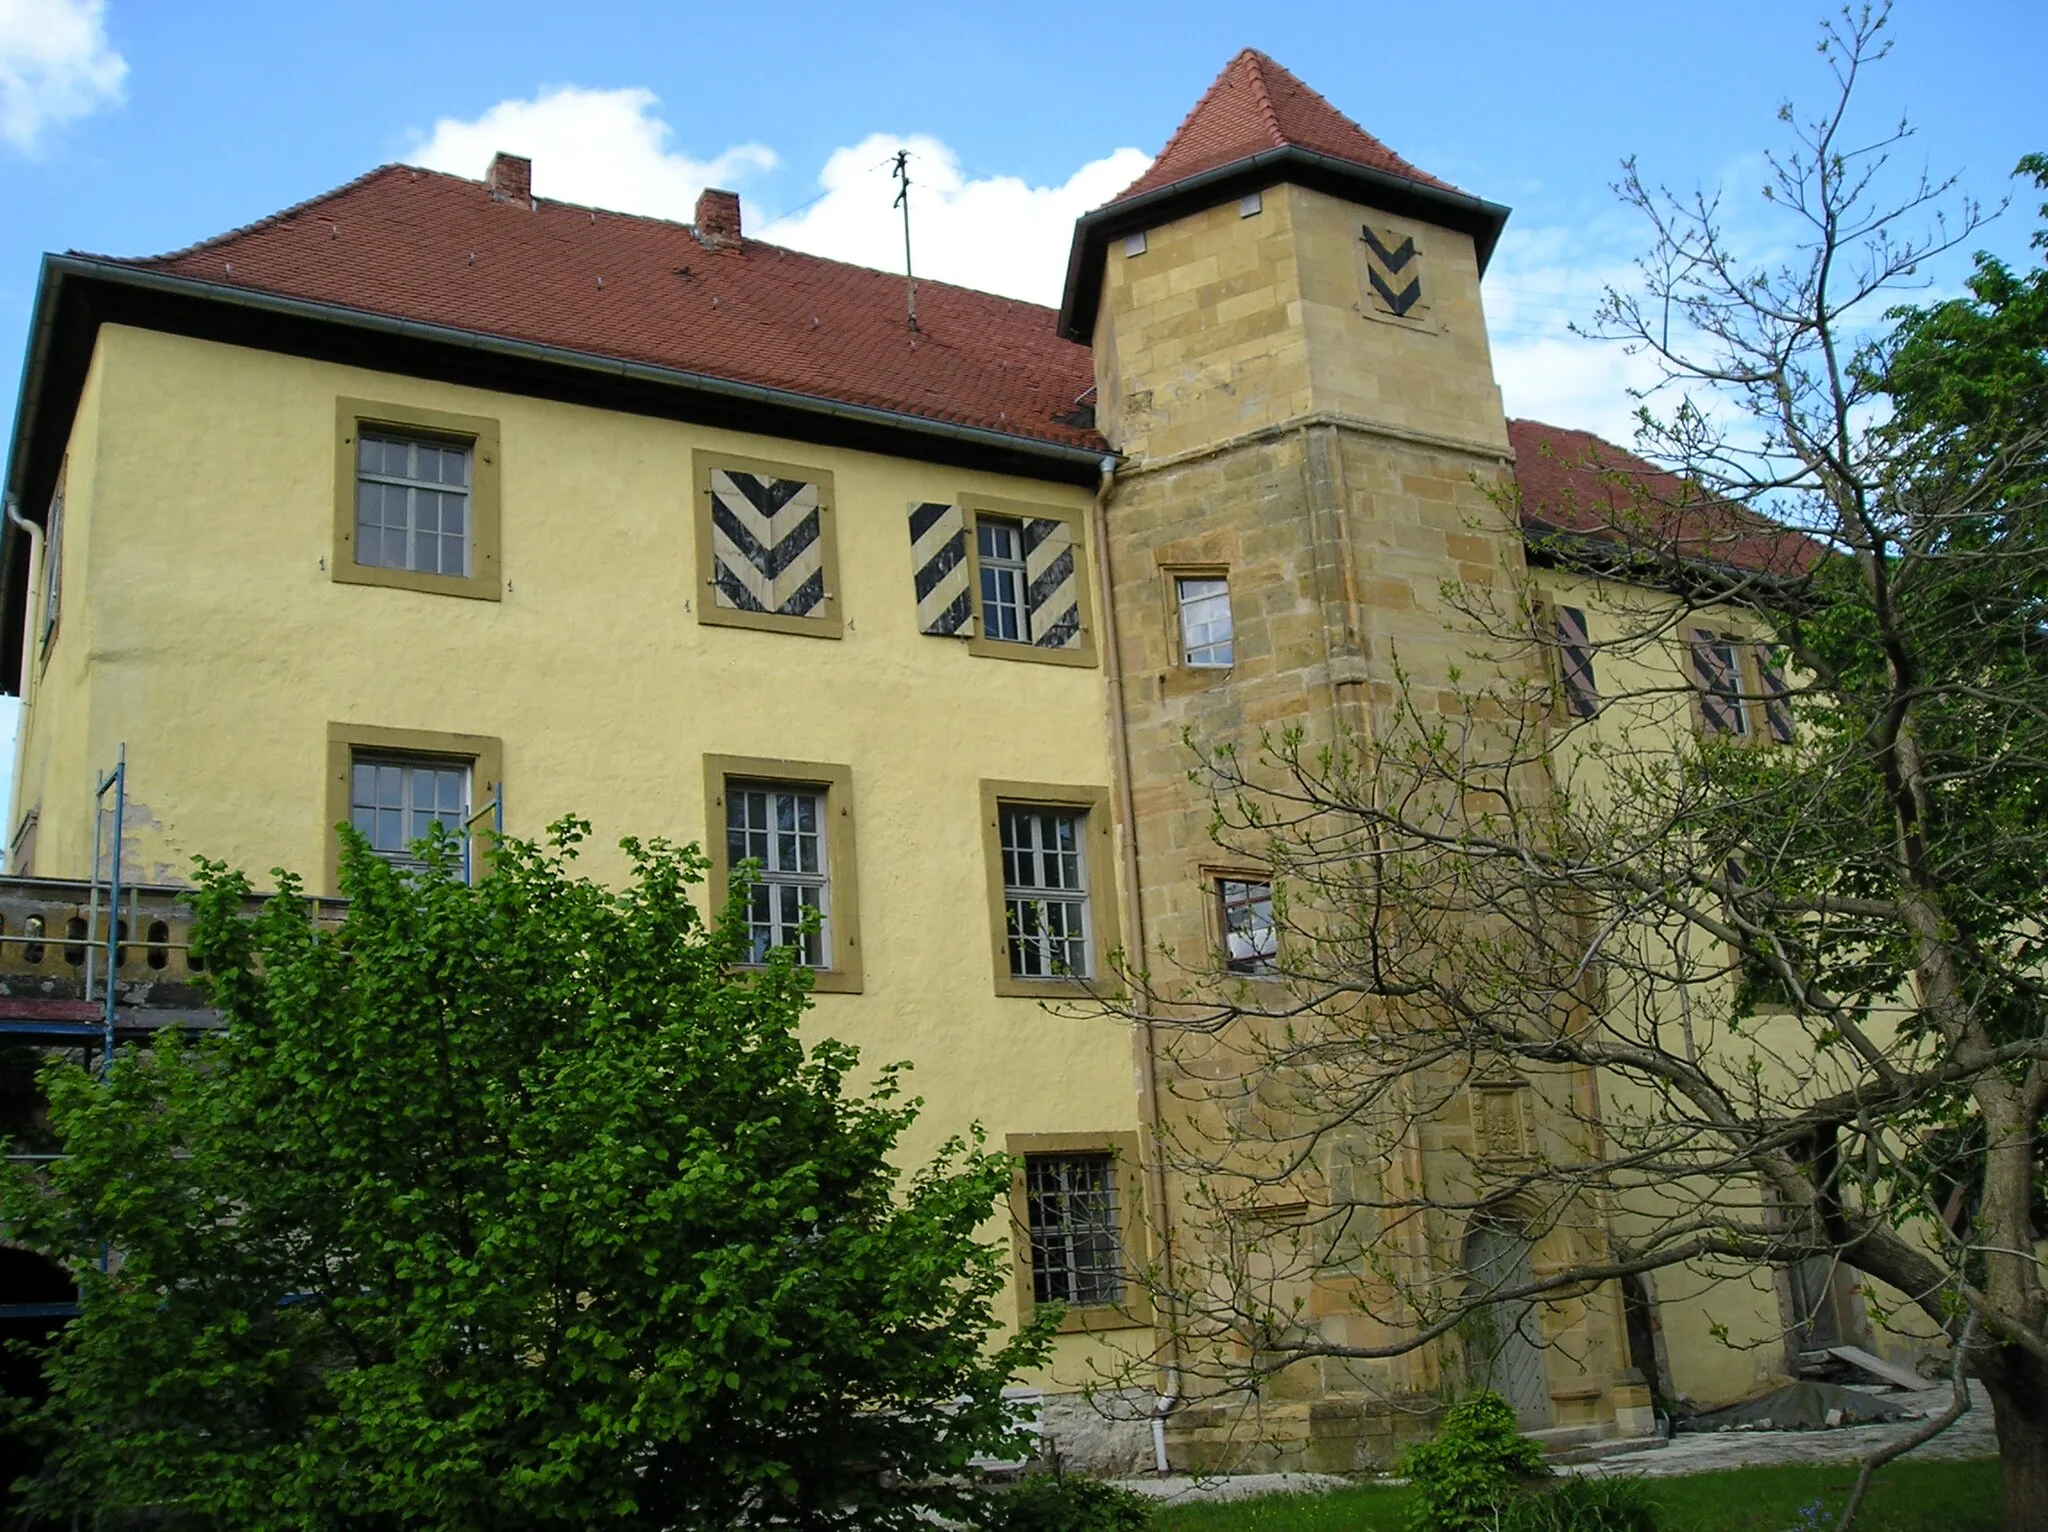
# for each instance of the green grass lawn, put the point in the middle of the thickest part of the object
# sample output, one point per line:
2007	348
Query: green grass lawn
1905	1497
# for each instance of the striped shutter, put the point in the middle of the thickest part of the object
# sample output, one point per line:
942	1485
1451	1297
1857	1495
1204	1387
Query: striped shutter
1052	594
767	548
1770	669
938	564
1575	663
1713	661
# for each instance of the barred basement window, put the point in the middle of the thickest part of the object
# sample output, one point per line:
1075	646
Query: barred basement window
782	829
395	801
1205	628
1575	663
1045	892
1250	942
413	504
1076	1237
1717	672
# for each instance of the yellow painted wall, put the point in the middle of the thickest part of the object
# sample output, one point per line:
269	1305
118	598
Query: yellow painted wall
203	489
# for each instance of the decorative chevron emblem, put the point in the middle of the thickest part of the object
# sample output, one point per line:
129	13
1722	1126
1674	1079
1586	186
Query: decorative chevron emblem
938	564
1052	596
766	552
1393	270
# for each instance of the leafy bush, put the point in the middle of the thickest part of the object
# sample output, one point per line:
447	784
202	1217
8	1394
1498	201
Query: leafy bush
1044	1503
1464	1476
1581	1504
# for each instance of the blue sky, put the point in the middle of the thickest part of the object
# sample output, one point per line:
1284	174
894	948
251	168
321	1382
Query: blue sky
137	126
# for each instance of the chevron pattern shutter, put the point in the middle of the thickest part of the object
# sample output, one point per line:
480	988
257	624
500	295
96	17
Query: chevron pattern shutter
938	563
1393	274
1052	596
767	554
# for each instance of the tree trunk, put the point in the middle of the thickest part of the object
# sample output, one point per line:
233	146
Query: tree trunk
2018	1386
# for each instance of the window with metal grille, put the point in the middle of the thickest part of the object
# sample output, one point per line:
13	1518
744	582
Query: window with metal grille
1575	663
1076	1240
1205	636
1045	892
412	504
1717	671
999	549
396	801
1250	942
782	829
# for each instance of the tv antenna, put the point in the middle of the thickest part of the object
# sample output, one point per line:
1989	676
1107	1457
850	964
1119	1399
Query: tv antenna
902	174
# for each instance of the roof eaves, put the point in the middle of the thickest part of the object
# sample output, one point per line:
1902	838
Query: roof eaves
1476	216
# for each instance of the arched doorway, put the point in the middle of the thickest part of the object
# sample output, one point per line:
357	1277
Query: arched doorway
1504	1340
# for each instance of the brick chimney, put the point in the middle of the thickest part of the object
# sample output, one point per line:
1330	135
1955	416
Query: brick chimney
510	179
718	219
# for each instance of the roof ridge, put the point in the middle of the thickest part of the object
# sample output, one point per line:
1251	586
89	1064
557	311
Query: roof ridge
1264	94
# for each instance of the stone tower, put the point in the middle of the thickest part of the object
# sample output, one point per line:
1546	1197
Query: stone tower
1292	360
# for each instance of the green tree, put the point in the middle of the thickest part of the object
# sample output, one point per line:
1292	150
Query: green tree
509	1205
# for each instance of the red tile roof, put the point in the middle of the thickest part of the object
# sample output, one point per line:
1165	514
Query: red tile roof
1256	105
1572	482
438	249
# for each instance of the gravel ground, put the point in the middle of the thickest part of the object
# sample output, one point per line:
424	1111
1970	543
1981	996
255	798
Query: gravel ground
1686	1453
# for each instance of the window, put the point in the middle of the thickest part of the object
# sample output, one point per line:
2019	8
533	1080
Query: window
53	571
781	828
1575	663
394	785
396	800
767	548
795	820
1250	941
416	500
1045	892
999	546
1717	672
412	504
1076	1237
1205	634
1053	923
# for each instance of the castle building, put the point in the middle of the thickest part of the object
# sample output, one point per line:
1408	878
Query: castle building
426	500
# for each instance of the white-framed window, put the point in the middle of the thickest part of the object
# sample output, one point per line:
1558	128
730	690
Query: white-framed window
1250	942
783	829
412	503
1045	891
999	550
1075	1229
396	800
1717	672
1205	631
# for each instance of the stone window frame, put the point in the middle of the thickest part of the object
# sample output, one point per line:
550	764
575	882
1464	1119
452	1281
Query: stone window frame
1213	875
1170	576
1100	863
480	433
832	624
1135	1310
842	875
483	754
975	506
1761	729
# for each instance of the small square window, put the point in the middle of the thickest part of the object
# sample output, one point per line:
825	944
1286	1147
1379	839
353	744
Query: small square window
395	801
1250	940
1134	244
1075	1229
1205	629
782	829
1045	891
413	504
1249	205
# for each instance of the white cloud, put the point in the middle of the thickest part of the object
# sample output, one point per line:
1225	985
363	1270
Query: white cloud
602	148
55	65
994	232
